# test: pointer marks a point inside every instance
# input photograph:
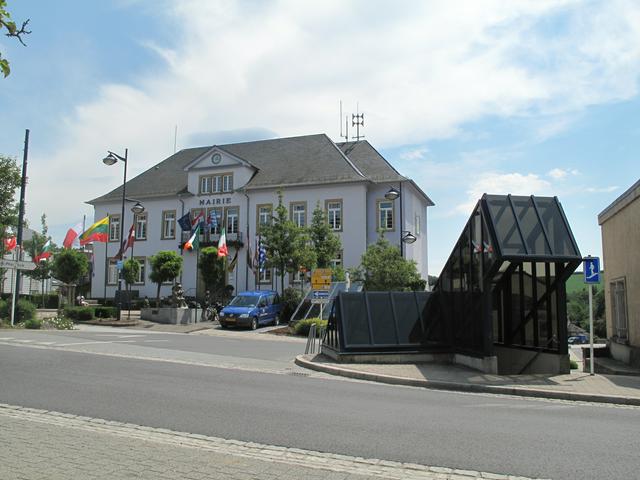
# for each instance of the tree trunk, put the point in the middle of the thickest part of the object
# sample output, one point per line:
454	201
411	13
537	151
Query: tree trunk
158	295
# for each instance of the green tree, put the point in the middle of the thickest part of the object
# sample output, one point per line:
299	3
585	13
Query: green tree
166	265
12	31
326	244
10	178
130	273
34	247
382	268
578	310
281	240
69	266
212	270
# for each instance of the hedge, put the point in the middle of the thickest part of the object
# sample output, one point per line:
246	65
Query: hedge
302	327
79	313
25	310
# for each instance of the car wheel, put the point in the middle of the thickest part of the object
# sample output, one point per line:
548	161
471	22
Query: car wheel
276	321
223	326
254	323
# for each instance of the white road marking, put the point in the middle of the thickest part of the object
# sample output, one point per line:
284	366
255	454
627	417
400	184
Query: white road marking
153	341
97	342
120	336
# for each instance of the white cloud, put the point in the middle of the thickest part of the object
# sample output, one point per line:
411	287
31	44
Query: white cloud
560	173
502	184
612	188
419	70
415	154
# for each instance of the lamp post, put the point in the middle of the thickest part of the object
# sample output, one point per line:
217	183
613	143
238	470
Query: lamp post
405	235
112	159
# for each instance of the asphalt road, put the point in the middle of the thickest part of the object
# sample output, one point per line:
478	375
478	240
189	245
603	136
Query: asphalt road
534	438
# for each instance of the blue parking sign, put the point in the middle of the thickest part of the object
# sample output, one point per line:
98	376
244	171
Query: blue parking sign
591	267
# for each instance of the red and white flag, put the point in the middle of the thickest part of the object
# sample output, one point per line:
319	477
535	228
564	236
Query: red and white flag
46	253
72	234
128	243
222	245
10	243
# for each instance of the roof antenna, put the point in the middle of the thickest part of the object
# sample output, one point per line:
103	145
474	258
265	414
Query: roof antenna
357	120
346	125
175	139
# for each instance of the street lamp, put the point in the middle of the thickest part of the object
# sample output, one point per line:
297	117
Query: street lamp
405	235
408	237
138	208
112	159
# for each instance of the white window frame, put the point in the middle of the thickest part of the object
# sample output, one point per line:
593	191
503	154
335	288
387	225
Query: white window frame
168	224
334	214
114	228
299	213
142	273
232	220
227	182
141	226
386	216
265	276
113	274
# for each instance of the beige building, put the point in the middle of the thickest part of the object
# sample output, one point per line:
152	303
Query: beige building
620	224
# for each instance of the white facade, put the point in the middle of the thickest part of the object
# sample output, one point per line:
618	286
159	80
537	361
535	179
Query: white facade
226	186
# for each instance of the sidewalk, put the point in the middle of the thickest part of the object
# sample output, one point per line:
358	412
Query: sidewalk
39	444
617	389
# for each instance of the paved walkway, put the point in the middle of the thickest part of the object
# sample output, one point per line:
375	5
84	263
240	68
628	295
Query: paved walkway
37	444
577	385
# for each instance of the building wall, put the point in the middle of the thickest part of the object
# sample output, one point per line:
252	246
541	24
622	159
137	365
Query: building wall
620	240
413	206
359	214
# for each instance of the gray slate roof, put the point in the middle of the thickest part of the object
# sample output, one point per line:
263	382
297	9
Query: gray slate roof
305	160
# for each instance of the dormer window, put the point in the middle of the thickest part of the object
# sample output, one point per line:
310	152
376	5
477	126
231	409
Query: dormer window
220	183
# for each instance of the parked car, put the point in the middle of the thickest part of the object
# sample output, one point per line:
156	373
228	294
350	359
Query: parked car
252	309
578	339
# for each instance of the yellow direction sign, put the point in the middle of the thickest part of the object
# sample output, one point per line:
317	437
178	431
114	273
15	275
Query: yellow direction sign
321	279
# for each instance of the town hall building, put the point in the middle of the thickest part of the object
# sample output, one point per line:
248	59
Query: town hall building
238	184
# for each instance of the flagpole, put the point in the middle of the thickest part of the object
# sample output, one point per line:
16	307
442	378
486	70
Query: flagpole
106	266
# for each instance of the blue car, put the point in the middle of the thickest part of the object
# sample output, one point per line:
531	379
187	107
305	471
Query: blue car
252	309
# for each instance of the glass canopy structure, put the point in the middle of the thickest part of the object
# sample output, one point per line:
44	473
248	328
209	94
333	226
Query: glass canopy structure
503	287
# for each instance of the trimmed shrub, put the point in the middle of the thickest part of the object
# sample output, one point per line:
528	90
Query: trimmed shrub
25	310
32	323
105	312
79	313
4	309
302	327
291	298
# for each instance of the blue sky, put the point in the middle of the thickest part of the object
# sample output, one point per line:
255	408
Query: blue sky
464	97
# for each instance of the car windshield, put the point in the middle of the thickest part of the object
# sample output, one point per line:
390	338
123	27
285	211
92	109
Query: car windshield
244	301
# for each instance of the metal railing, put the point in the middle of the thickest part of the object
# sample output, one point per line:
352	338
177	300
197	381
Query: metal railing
316	335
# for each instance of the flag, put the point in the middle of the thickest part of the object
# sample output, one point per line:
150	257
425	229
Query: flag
71	235
198	220
262	257
249	256
98	232
46	253
185	222
222	245
194	241
213	219
233	263
10	243
128	243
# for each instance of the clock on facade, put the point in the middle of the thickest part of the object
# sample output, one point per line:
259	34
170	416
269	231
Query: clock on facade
215	158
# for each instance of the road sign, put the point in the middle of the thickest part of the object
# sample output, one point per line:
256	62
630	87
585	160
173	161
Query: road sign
119	264
591	267
19	264
321	279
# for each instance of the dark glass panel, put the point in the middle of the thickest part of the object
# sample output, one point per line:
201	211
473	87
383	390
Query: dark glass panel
381	314
408	315
557	230
505	226
530	226
354	320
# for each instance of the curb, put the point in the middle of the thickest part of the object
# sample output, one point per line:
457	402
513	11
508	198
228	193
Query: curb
465	387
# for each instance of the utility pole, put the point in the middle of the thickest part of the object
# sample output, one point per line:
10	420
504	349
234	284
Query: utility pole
23	188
